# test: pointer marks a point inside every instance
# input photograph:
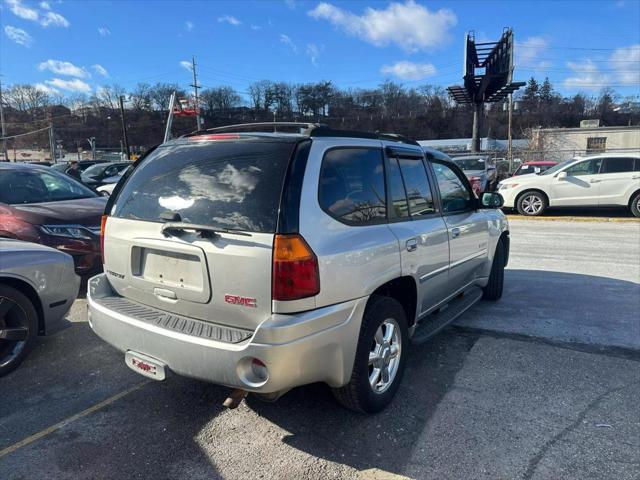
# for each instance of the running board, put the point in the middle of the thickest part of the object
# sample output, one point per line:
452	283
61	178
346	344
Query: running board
434	322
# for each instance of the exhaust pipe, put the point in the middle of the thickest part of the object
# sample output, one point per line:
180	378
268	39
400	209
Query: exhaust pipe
235	398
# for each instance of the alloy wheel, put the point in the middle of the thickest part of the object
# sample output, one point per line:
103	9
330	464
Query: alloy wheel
532	204
14	330
384	356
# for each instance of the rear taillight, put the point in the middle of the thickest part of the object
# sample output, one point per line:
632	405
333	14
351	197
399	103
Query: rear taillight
475	185
295	269
103	225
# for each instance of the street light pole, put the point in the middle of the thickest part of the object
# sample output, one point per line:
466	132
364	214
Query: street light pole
4	133
124	128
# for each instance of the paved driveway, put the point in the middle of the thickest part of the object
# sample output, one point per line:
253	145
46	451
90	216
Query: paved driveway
543	384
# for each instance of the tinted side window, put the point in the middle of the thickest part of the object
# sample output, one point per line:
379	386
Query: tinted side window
637	167
588	167
617	165
352	185
398	194
454	193
417	186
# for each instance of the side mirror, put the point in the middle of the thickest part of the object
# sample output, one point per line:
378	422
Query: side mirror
491	200
562	176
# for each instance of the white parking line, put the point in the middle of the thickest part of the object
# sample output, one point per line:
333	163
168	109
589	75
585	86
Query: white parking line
72	418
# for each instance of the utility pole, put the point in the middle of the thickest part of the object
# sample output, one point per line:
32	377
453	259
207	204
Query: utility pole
4	132
477	126
52	143
124	129
509	151
195	91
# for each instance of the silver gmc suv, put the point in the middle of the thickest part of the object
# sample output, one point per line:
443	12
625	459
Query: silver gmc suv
263	261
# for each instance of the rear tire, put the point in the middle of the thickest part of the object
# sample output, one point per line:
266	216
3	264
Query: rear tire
531	204
18	317
493	290
384	316
635	205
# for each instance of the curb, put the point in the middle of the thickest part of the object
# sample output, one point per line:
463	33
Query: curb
575	219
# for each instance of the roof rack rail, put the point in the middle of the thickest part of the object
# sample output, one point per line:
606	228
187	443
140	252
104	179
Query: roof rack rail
305	128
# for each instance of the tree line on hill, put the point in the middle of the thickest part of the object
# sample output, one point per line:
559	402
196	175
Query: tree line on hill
423	112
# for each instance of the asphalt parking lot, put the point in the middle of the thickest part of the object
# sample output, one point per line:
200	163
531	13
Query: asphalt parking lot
542	385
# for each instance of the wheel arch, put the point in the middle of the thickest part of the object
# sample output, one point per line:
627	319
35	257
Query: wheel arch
27	290
405	291
632	196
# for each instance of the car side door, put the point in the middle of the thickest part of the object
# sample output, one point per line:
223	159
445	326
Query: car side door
580	187
415	220
467	225
617	177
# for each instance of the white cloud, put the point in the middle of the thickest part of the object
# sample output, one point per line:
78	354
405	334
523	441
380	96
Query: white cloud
408	25
313	52
231	20
409	70
18	35
529	51
585	75
100	70
255	27
104	31
291	4
288	42
186	64
626	63
44	17
21	11
63	68
75	85
55	19
46	89
189	26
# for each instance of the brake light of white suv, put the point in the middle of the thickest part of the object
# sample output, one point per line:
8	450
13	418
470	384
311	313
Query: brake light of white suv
295	269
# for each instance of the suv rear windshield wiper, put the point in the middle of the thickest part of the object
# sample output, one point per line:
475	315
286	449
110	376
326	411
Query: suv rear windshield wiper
204	230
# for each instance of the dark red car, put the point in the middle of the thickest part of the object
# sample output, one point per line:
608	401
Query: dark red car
40	205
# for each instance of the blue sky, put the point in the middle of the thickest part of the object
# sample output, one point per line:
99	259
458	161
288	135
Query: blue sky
75	46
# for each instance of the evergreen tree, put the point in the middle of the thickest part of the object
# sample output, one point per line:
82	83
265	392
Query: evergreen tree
547	95
531	95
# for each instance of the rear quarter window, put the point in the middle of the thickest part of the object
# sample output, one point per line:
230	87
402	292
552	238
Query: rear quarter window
233	185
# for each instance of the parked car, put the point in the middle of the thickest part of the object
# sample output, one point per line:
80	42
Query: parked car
264	261
603	180
37	288
480	170
109	184
97	175
533	167
82	165
41	205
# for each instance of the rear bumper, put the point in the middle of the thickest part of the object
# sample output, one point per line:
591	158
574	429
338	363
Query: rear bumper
297	349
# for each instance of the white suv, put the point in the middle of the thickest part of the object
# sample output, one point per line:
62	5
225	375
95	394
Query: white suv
604	180
264	261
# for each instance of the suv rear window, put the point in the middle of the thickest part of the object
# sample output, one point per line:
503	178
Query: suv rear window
233	185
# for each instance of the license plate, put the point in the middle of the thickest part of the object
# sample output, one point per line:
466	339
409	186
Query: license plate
144	365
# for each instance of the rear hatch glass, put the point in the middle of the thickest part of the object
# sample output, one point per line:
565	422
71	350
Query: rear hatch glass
232	185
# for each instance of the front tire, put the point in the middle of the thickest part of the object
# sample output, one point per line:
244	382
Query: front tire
493	290
18	328
635	205
532	204
380	357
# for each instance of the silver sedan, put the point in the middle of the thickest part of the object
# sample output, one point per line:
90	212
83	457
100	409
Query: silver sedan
37	288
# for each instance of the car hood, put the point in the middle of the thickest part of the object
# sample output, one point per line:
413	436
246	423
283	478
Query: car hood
84	211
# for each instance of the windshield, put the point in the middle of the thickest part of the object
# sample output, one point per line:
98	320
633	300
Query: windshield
558	167
39	186
232	185
470	163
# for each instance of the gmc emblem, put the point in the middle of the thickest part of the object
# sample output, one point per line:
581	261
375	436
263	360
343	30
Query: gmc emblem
238	300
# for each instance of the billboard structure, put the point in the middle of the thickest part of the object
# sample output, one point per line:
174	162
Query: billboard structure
487	76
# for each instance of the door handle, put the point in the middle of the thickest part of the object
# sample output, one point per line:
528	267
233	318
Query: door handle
455	232
412	245
594	181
